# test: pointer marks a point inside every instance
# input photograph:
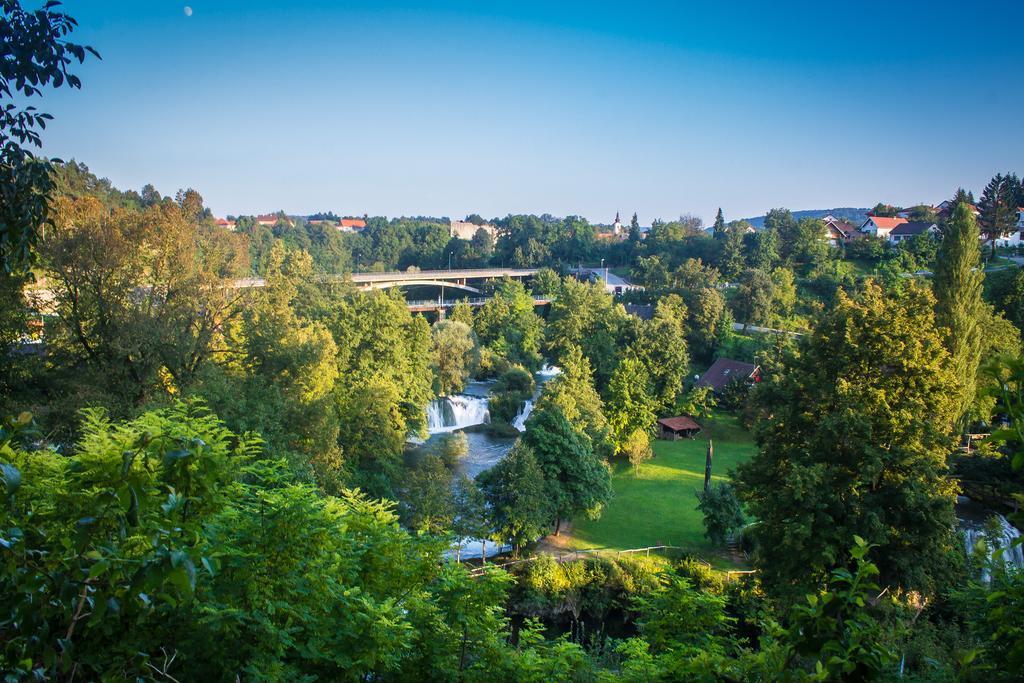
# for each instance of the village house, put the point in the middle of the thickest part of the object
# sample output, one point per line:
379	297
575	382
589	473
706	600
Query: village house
911	229
725	371
839	231
351	224
465	230
881	226
672	428
271	219
225	223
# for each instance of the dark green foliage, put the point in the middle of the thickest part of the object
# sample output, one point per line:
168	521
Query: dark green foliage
853	441
723	514
518	496
958	305
577	481
37	54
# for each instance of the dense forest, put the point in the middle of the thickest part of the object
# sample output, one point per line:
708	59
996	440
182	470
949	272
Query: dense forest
205	480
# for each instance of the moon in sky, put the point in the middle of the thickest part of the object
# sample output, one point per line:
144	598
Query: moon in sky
188	11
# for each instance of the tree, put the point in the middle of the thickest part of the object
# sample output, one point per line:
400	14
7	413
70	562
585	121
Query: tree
141	298
546	283
577	481
462	313
765	254
517	496
710	322
637	449
718	229
699	401
854	441
661	347
456	355
733	258
785	226
723	514
585	316
37	55
573	393
426	496
629	404
471	519
958	303
998	207
508	325
755	300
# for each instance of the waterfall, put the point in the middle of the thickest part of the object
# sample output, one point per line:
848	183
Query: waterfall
1000	540
448	413
524	412
548	371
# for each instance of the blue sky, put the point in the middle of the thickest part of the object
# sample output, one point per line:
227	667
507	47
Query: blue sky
589	108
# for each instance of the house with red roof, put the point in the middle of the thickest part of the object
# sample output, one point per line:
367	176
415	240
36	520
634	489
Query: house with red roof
225	223
351	224
271	219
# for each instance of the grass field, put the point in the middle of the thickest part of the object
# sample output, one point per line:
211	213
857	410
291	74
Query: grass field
658	505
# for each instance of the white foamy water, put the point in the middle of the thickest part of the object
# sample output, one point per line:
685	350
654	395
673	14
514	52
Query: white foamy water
450	413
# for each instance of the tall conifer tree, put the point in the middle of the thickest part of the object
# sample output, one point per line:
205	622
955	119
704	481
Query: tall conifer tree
959	307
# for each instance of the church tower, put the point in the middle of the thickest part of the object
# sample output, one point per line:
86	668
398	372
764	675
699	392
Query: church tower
617	225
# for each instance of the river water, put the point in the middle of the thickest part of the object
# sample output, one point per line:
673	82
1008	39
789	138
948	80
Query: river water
484	450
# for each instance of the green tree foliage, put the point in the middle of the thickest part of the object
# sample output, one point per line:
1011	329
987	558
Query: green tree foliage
577	480
661	347
462	313
835	633
585	316
572	393
699	401
426	496
471	514
637	449
518	497
765	252
854	441
998	207
719	228
630	405
508	325
140	298
456	355
958	306
733	257
37	55
723	514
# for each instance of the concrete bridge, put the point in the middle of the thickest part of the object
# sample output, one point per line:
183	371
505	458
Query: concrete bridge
454	278
423	306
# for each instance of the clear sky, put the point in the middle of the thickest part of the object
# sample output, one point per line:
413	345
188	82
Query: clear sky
451	107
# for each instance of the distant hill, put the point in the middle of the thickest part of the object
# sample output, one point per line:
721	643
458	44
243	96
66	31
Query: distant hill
855	216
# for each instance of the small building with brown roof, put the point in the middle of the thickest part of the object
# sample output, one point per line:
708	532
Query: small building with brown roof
725	371
675	427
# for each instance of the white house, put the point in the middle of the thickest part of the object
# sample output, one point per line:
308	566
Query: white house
465	230
881	226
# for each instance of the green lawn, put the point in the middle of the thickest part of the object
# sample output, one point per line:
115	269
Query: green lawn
658	505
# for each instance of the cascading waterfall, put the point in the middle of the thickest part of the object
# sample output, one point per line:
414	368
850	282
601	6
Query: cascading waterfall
448	413
521	417
1000	540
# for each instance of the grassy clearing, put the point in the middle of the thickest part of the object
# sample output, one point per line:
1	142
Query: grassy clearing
658	505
